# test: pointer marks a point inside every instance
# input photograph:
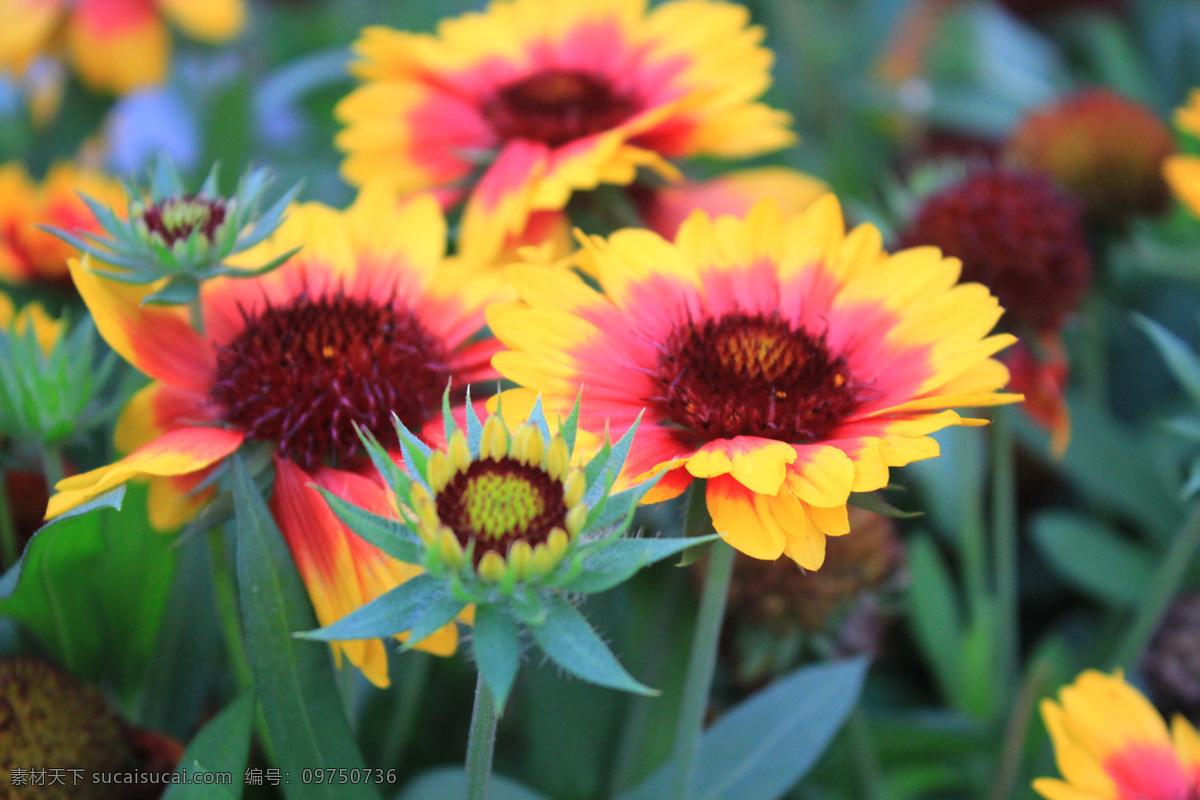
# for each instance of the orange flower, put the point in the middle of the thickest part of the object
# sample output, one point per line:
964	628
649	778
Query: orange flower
29	254
115	45
368	319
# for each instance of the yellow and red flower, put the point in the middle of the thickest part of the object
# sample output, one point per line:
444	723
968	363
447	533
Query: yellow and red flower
369	318
29	254
785	361
1183	171
114	45
531	100
1111	744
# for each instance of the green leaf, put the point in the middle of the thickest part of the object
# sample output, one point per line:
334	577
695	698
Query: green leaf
538	417
1093	557
111	499
474	426
294	679
395	477
221	746
619	560
618	508
1183	363
873	501
388	535
934	614
451	782
439	612
92	587
760	749
570	425
614	459
397	611
567	638
496	644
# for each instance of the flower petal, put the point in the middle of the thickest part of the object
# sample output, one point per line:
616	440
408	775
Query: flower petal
758	464
743	517
178	452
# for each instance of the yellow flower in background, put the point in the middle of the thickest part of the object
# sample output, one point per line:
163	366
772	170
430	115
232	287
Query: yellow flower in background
1111	744
115	45
523	104
45	327
1183	171
778	357
368	319
29	254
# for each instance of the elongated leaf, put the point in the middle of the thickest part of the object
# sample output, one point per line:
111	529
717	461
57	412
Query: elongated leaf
388	535
1183	363
111	499
567	638
221	746
451	782
92	587
395	612
439	612
934	614
620	560
294	679
763	747
1093	557
876	502
496	644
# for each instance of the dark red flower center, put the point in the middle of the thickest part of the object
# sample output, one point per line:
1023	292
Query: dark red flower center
302	375
497	503
753	375
556	106
1017	234
177	218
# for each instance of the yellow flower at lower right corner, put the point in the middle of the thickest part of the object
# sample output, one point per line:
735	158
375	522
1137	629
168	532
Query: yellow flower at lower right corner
1111	744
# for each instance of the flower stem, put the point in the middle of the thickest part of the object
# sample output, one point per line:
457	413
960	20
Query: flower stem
1004	543
482	742
52	467
703	659
1162	589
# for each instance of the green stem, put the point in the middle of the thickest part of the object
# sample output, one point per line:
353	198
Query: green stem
1016	732
870	772
227	609
52	467
1004	542
1162	590
412	691
703	659
482	742
196	314
10	548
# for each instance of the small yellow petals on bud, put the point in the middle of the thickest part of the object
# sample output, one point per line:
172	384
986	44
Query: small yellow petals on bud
422	505
520	555
460	452
557	544
527	445
438	471
492	567
541	563
449	548
494	443
574	487
558	458
577	519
